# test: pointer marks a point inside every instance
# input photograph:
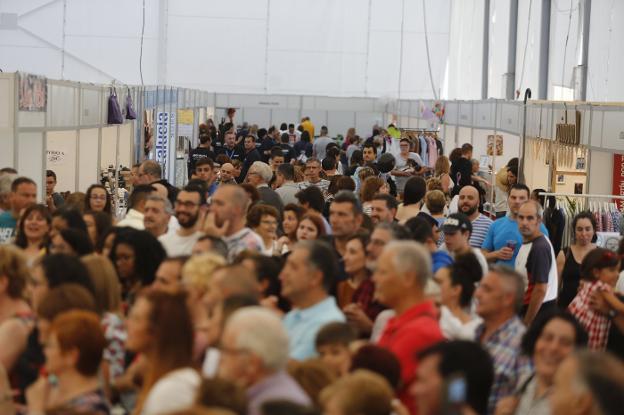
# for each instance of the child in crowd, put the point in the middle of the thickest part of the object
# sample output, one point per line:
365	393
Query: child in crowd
333	344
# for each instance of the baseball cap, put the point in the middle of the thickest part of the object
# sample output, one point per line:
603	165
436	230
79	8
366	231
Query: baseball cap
456	222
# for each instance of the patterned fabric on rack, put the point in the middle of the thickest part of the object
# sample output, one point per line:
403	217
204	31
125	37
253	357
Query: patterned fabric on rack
598	218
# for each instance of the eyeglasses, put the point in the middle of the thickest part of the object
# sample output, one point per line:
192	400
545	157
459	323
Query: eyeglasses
269	222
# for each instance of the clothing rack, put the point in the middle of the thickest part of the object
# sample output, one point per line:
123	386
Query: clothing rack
590	196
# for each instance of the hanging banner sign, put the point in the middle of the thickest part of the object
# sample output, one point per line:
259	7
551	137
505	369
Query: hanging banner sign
33	92
163	128
618	178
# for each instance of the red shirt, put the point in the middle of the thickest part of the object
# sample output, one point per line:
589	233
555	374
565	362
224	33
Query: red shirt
405	336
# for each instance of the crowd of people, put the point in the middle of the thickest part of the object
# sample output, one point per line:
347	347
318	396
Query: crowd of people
300	274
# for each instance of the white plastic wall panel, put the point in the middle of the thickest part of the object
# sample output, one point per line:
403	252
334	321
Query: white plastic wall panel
321	53
288	116
8	148
606	52
448	139
108	153
601	173
7	106
225	39
484	114
61	158
126	138
464	135
260	116
613	131
31	119
30	159
451	112
509	117
564	29
85	49
465	114
598	116
528	46
498	47
62	105
465	50
340	122
88	158
91	110
364	122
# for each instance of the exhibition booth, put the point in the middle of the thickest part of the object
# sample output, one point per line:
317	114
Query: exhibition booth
65	125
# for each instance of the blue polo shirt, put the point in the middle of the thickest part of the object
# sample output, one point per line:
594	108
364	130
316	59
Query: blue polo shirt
501	231
7	227
302	326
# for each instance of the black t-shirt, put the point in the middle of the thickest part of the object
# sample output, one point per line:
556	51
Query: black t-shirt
197	154
288	152
461	173
236	153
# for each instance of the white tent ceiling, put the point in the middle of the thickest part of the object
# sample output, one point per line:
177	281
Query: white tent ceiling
365	48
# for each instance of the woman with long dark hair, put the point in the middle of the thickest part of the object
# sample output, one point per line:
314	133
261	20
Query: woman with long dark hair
98	224
33	233
161	329
355	294
97	199
569	259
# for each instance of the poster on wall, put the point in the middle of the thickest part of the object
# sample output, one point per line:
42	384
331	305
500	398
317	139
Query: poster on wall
491	145
33	92
618	178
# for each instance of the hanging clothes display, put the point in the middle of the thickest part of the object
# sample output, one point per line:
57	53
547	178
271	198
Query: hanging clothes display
606	214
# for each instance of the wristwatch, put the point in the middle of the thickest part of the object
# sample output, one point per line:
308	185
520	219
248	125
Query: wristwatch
613	313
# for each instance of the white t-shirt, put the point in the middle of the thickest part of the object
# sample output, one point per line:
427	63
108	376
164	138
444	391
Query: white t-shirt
174	392
453	328
177	245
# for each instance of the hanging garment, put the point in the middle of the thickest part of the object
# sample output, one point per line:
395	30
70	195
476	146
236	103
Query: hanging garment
424	154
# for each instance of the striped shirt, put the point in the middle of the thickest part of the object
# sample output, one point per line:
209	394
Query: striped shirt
480	227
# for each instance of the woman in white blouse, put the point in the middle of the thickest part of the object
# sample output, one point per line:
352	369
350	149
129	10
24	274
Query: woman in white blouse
457	285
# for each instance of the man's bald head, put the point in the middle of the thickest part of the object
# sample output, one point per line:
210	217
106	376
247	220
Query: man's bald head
227	172
237	195
469	201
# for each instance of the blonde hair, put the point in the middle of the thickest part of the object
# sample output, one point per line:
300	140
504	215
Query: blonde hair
434	184
435	201
105	281
442	166
360	393
198	270
13	267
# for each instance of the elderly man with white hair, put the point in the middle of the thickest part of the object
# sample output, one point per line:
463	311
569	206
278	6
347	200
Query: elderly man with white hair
260	175
402	273
254	354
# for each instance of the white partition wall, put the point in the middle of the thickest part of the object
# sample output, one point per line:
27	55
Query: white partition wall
61	157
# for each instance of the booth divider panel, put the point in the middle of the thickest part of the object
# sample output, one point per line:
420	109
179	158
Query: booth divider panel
30	159
88	158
